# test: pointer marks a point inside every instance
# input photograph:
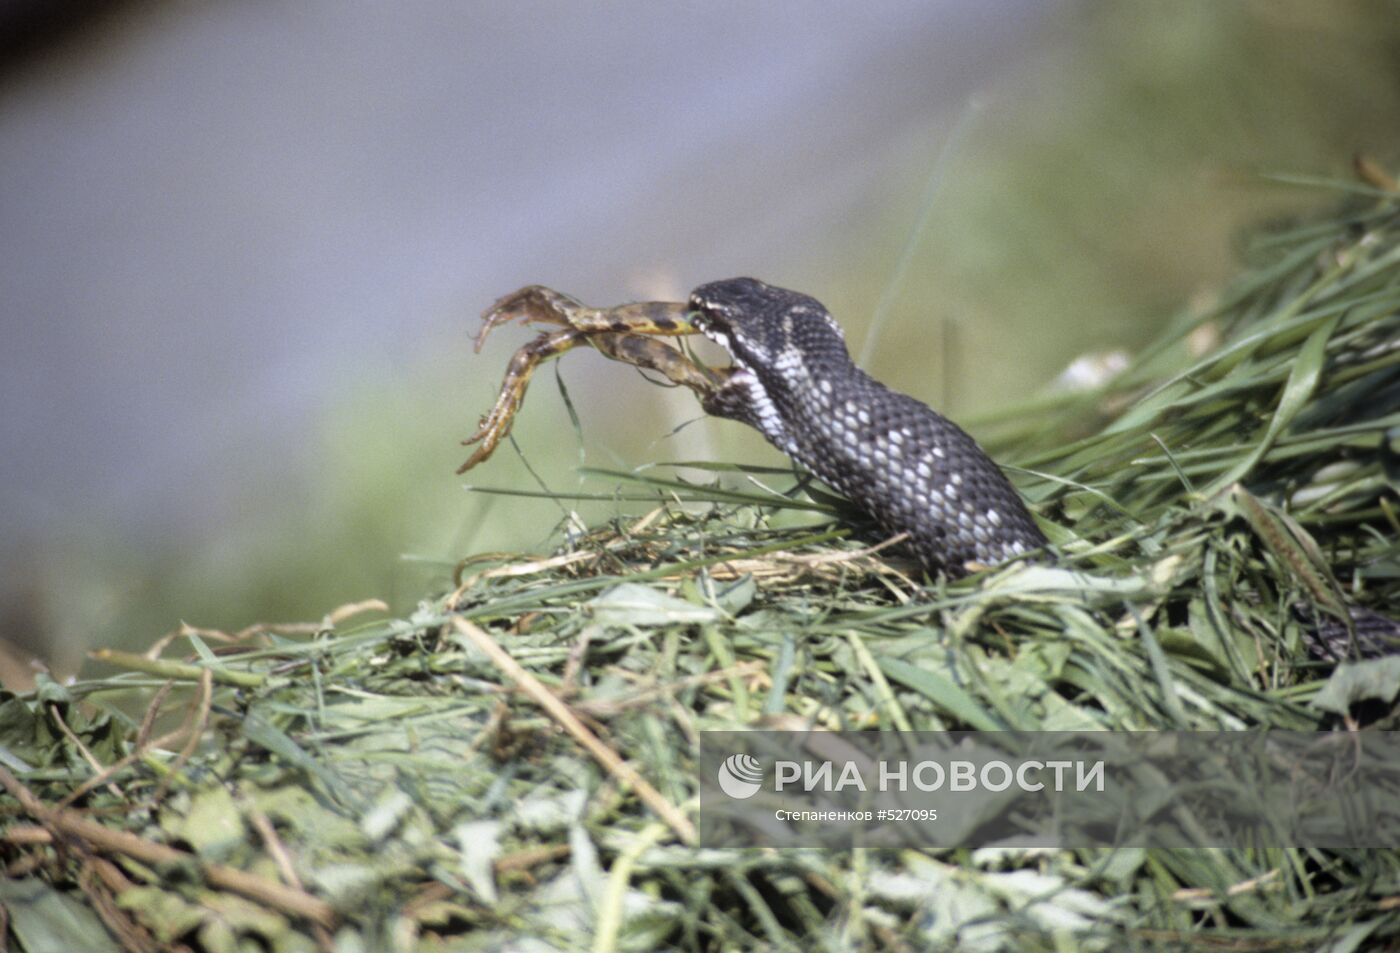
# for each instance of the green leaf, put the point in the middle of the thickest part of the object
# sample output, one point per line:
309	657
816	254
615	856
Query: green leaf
164	912
480	845
1302	381
384	816
942	692
261	731
22	734
1354	682
47	690
46	921
635	604
213	826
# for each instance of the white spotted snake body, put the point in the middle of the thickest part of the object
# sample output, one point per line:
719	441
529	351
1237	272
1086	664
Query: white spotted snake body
911	469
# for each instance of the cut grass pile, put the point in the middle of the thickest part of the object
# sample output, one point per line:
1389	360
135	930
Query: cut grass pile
511	766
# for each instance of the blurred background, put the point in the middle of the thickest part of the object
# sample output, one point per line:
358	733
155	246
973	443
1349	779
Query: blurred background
245	245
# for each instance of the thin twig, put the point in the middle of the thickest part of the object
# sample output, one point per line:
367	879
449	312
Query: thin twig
97	767
278	852
560	712
1234	890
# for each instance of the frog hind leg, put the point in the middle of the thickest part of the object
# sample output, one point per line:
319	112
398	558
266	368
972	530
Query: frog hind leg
536	303
651	354
530	304
495	425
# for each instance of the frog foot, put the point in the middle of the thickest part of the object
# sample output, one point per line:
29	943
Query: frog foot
626	333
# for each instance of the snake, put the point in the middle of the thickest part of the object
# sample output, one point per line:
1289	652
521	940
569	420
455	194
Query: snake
908	467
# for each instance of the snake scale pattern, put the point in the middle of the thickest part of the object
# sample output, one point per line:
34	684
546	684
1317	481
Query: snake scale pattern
909	468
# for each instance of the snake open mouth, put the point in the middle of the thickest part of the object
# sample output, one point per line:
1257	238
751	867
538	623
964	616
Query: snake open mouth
702	323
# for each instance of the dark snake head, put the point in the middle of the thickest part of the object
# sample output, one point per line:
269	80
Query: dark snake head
766	328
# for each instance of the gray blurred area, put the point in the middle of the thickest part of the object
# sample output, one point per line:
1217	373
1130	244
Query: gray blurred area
243	246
